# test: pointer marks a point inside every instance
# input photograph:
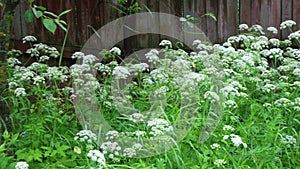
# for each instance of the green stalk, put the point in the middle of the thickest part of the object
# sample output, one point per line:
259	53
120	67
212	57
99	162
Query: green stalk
63	47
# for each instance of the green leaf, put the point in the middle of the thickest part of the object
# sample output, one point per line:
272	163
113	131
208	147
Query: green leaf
39	14
31	1
42	8
34	12
29	16
49	25
65	12
52	14
210	15
61	25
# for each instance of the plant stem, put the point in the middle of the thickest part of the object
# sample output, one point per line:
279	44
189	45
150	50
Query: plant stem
63	47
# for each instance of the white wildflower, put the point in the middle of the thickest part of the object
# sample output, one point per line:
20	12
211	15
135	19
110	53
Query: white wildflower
77	55
20	92
152	56
129	152
287	24
237	140
220	162
115	50
243	27
272	29
97	156
215	146
22	165
289	140
89	59
29	38
121	72
228	128
166	44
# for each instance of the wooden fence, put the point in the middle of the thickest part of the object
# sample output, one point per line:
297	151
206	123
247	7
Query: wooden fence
93	14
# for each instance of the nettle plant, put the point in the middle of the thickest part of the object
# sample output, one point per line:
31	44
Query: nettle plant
142	99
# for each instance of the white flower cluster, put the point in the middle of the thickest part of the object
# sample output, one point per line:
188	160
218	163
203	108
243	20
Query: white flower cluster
152	56
22	165
110	135
212	96
272	29
274	42
215	146
20	92
115	50
11	62
236	140
111	148
86	135
296	72
77	55
257	28
166	44
220	162
268	88
159	126
243	27
294	35
136	117
29	38
44	58
129	152
230	104
289	140
228	128
138	68
97	156
89	59
287	24
283	102
121	72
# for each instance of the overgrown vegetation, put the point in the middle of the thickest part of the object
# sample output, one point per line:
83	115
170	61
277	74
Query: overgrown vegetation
258	128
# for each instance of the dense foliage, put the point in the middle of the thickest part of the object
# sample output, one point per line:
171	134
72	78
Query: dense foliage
256	78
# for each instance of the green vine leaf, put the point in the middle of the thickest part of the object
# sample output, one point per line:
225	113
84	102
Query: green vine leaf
29	16
49	25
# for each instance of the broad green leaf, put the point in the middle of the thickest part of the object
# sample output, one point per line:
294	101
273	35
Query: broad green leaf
49	25
65	12
29	16
31	1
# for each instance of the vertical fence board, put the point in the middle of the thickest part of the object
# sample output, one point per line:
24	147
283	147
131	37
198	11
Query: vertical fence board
296	15
245	9
98	13
16	32
212	25
199	12
153	6
275	15
286	14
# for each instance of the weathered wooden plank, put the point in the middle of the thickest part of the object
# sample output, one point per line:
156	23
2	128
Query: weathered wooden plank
16	32
153	6
286	14
245	12
296	15
199	12
263	13
275	16
212	25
